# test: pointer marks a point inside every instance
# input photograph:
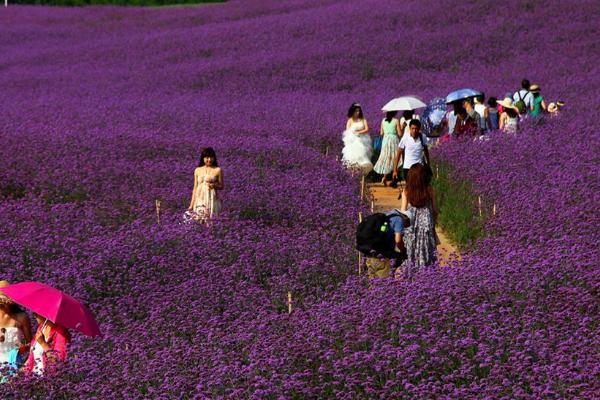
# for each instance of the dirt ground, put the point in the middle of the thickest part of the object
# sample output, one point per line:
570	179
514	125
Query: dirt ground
386	198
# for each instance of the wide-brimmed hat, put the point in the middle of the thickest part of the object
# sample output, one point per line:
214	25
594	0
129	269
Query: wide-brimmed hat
4	298
534	89
552	107
507	103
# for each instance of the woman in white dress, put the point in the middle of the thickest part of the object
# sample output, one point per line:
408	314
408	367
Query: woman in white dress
15	328
358	148
208	178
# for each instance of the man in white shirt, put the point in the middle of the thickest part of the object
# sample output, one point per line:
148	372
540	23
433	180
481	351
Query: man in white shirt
525	95
411	149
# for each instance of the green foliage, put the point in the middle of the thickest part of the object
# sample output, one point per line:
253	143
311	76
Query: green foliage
79	3
458	208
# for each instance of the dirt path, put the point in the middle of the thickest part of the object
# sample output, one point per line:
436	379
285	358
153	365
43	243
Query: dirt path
386	198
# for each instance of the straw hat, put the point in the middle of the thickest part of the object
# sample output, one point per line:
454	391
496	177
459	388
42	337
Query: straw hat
552	108
4	298
507	103
534	89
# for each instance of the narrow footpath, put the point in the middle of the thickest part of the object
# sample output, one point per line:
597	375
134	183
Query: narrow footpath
386	198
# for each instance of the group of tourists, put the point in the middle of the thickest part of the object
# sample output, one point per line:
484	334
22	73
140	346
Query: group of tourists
407	235
22	350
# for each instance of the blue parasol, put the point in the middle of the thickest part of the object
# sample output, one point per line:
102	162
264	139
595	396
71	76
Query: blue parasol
461	94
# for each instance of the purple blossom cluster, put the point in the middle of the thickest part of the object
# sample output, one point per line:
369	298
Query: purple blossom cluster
104	110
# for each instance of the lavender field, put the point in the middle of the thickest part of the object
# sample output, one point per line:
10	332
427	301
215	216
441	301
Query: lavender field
105	110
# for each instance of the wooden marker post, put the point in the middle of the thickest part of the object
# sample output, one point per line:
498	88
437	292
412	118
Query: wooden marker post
326	151
289	302
360	219
157	204
494	210
480	212
362	188
437	172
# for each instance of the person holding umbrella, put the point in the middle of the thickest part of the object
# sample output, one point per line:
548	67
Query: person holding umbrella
55	312
48	346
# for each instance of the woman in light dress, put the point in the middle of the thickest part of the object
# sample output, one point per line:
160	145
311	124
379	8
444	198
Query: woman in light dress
208	178
509	119
420	239
15	330
358	148
390	130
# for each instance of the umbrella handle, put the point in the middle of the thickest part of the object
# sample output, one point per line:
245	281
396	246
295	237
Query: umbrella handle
43	327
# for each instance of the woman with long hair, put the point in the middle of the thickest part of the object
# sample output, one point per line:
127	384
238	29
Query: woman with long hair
390	130
418	201
208	178
15	328
357	149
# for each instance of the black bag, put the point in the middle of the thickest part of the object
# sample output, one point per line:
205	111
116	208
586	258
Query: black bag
373	235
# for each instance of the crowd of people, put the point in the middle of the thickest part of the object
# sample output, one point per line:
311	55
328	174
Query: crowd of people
404	157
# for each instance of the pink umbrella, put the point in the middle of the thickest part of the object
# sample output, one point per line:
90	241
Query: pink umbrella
53	304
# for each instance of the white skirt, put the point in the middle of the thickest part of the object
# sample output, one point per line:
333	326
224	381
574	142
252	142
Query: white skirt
357	151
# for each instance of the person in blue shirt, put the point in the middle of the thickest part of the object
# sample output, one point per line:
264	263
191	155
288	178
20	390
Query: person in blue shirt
380	267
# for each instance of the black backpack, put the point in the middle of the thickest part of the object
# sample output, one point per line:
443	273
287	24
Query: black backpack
373	235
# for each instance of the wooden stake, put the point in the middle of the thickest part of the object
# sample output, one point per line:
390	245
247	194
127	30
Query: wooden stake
289	302
157	204
362	187
480	212
437	172
326	151
494	209
359	263
359	217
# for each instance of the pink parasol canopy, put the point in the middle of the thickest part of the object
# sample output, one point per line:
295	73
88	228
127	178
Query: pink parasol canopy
53	304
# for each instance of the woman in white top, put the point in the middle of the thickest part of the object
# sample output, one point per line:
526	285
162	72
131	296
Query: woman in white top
407	116
208	178
15	327
484	114
358	148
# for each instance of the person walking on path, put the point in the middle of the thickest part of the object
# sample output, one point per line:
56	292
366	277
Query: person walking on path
523	99
493	115
420	240
390	130
411	149
484	114
379	267
539	105
407	116
509	119
208	178
357	149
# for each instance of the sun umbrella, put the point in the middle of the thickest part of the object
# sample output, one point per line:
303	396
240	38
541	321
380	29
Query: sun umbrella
403	103
433	117
53	304
461	94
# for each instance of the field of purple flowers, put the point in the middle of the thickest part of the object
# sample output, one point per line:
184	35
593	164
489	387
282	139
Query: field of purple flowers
104	110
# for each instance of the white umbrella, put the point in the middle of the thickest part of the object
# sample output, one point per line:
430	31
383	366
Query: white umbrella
403	103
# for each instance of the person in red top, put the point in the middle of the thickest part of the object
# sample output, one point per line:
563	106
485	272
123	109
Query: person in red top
467	123
49	346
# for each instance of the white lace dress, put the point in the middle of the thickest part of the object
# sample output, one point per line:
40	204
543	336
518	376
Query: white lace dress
358	148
